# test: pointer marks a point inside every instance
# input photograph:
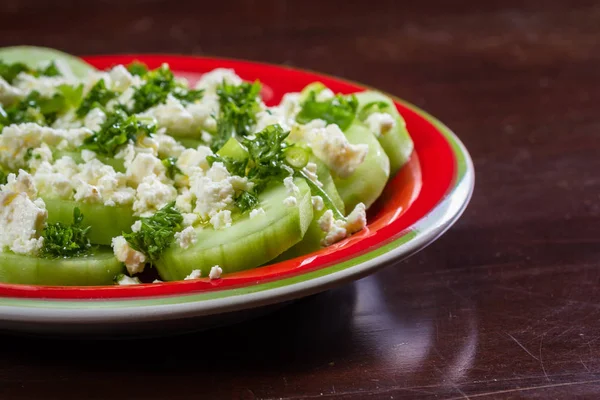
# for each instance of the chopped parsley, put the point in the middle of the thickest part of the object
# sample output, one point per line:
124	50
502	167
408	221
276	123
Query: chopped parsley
9	72
338	110
63	241
156	232
116	131
237	115
98	96
159	84
3	177
35	108
170	164
137	68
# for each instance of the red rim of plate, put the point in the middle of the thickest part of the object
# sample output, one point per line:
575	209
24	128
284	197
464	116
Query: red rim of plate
411	194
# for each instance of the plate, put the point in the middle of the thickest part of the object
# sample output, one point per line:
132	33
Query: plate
419	204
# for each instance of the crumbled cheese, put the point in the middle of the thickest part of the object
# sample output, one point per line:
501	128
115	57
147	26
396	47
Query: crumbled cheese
257	212
290	201
186	237
334	229
331	146
87	193
317	202
357	219
9	94
184	200
94	119
157	281
311	172
380	123
182	119
193	161
137	226
151	195
291	187
215	272
213	192
211	80
134	260
22	183
87	155
168	146
121	79
15	141
125	280
189	219
22	221
195	274
221	219
45	85
325	94
145	165
127	154
40	155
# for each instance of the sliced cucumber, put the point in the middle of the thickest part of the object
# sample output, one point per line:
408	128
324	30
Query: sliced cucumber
33	56
100	268
106	222
369	179
396	143
248	243
313	236
116	163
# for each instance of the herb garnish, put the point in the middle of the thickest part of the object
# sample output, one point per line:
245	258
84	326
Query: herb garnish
98	96
170	164
61	240
338	110
9	72
156	232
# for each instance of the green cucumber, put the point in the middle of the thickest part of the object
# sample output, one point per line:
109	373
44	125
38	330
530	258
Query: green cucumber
106	222
116	163
32	56
313	236
396	143
369	179
99	268
248	243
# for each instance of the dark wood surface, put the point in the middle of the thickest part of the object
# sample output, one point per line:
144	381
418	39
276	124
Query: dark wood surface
505	305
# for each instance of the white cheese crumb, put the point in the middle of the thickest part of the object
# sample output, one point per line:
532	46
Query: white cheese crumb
291	187
186	237
134	260
189	219
325	94
211	80
215	272
290	201
195	274
317	202
137	226
21	221
152	195
193	161
380	123
257	212
221	219
357	219
336	230
157	281
144	165
8	93
94	119
23	183
125	280
311	172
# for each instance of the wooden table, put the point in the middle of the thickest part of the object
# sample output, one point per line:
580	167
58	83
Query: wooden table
505	305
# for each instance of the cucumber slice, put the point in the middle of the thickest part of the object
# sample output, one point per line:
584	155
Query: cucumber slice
116	163
106	222
396	143
248	243
100	268
369	179
313	236
33	56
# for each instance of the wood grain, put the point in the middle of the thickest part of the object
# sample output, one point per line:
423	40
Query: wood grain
505	305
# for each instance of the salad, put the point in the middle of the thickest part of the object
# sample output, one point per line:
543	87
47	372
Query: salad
106	176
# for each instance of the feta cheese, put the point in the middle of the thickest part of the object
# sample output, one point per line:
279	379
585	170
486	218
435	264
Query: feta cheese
213	192
134	260
325	94
125	280
221	219
195	274
9	94
193	161
145	165
334	229
189	219
357	219
211	80
290	201
151	195
380	123
183	202
291	187
121	79
317	202
22	221
23	183
257	212
186	237
47	86
87	155
181	119
87	193
331	146
137	226
215	272
168	146
39	155
127	154
94	119
311	172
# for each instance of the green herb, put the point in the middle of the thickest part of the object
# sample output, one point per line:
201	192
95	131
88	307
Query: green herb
98	96
137	68
237	115
61	240
233	165
371	107
116	131
338	110
170	164
9	72
156	232
35	108
3	177
246	201
159	84
28	154
72	94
